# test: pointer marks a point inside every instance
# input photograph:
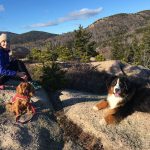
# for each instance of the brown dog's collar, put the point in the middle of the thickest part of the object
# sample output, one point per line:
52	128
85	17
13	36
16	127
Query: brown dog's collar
20	97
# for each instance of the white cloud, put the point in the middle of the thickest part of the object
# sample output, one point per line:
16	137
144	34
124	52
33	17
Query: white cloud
2	8
85	13
76	15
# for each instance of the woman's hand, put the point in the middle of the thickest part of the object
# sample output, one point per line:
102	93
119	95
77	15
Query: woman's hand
22	75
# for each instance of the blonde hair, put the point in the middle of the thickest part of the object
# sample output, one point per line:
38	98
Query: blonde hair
3	37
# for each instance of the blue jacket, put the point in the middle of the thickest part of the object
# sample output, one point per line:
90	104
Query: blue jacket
4	63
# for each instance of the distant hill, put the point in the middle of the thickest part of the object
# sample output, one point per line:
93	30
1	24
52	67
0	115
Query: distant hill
107	28
112	26
10	34
31	36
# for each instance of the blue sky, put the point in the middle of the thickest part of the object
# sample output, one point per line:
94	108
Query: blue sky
61	16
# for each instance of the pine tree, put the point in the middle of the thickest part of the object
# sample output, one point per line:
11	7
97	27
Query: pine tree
117	49
42	56
145	49
136	52
131	52
82	44
64	54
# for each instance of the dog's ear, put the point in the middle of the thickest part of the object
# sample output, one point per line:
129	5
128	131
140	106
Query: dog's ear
19	89
109	81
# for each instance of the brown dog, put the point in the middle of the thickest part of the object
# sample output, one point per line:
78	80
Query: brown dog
20	103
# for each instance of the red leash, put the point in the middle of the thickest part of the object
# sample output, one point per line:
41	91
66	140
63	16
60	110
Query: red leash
33	109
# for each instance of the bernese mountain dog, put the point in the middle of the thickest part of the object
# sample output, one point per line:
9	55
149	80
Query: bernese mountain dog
119	100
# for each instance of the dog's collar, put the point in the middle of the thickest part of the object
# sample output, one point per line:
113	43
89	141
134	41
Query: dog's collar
20	97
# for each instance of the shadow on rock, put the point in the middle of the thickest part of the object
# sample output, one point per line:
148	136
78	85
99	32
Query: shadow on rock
73	101
23	136
2	109
86	78
142	99
47	142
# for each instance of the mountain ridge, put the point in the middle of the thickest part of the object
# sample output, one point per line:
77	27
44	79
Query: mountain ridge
102	30
30	36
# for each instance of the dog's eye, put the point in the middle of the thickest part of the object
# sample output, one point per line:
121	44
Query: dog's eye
121	85
114	83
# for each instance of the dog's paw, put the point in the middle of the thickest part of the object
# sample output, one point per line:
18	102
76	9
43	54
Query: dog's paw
102	122
95	108
101	105
110	119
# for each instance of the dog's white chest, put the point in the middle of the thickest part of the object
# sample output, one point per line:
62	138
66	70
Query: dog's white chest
113	100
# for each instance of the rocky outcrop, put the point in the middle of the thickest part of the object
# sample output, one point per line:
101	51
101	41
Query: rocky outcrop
113	67
131	133
41	133
71	123
138	74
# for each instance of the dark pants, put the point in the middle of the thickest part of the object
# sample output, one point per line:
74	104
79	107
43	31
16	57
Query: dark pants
15	65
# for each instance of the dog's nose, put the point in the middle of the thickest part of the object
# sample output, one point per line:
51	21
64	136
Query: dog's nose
117	90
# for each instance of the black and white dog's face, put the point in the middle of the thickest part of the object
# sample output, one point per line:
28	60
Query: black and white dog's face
120	86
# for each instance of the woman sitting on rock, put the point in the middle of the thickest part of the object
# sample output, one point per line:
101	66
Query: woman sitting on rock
10	68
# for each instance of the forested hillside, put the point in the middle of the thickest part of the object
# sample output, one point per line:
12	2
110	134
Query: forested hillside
102	30
113	37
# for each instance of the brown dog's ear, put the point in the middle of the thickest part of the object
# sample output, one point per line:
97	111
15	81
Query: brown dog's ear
19	89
